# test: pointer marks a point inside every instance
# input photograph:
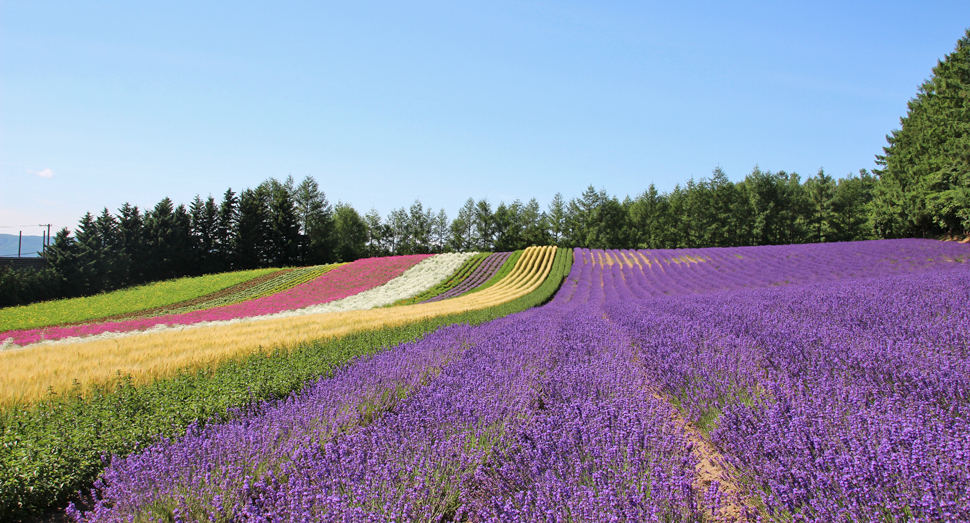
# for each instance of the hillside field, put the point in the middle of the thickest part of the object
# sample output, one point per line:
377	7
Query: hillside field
819	382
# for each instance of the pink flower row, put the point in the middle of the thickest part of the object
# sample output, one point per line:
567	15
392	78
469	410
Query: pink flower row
341	282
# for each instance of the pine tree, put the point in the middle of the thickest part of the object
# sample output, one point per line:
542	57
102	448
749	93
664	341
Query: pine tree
249	240
924	183
225	230
315	218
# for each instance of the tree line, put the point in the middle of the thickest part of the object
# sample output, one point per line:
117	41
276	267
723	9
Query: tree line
282	223
922	189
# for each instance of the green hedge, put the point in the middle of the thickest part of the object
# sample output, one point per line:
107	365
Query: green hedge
50	451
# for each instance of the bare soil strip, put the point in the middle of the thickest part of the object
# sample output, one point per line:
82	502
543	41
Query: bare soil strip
712	467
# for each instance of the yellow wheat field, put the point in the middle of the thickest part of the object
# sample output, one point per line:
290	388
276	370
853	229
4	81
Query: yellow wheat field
29	372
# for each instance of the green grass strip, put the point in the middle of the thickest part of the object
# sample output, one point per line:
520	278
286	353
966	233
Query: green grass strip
503	272
459	276
121	301
51	450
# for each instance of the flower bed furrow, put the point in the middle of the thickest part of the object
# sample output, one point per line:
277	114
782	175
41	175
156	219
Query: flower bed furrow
338	283
130	417
506	267
419	278
509	429
178	307
459	276
126	300
482	273
148	356
284	282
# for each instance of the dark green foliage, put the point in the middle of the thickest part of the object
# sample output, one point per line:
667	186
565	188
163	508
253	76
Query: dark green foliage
283	225
350	233
315	216
924	187
50	451
204	226
23	286
249	243
463	228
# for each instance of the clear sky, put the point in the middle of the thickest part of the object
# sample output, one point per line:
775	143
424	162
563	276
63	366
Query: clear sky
387	102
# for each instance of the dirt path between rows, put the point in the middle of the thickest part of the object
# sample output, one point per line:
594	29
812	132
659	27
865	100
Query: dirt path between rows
711	467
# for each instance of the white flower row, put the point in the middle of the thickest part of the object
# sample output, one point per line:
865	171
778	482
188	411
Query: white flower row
423	276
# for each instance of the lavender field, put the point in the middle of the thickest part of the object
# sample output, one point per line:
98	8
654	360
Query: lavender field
826	382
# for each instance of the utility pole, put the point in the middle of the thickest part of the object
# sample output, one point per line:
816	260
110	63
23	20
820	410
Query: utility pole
47	240
20	242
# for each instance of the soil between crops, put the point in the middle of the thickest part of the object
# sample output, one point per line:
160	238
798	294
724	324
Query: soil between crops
59	515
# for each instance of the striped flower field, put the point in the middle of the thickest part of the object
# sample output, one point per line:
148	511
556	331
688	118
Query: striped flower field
822	383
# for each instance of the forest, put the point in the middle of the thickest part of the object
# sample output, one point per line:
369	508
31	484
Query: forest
921	189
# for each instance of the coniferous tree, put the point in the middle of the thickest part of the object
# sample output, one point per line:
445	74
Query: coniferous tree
534	224
557	219
820	192
204	218
507	231
463	227
107	238
924	183
440	231
90	267
400	232
130	250
283	227
315	216
377	233
225	230
419	228
580	218
249	240
484	219
159	224
645	216
62	256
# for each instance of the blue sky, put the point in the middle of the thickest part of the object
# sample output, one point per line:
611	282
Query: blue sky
384	103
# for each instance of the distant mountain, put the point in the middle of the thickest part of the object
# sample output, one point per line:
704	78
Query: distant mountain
31	246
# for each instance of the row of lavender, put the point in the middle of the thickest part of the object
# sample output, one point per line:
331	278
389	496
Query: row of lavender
834	400
527	418
845	398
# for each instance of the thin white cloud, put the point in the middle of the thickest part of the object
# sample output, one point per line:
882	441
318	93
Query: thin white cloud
46	173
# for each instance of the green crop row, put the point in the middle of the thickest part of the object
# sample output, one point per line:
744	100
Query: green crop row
503	272
52	450
281	283
133	299
459	276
